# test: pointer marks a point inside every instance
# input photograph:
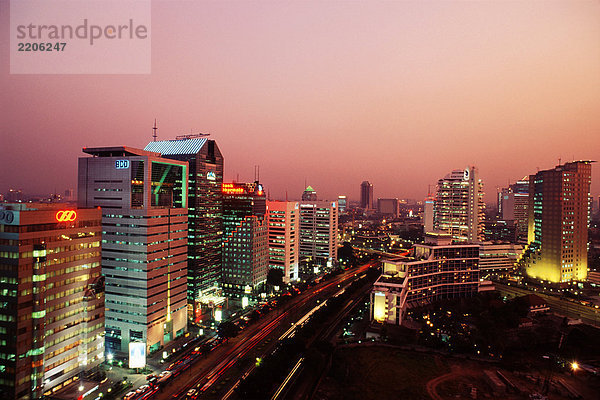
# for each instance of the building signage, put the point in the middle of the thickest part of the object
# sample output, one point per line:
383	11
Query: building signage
228	188
137	355
466	174
122	164
66	215
8	217
211	176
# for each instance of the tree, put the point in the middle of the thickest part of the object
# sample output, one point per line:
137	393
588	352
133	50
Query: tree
227	330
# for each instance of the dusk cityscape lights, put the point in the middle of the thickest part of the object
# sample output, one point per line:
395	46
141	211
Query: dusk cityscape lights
299	200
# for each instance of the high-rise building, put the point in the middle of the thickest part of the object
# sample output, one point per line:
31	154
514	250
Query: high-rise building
205	225
283	221
366	195
52	296
428	214
388	207
309	194
435	271
318	236
559	214
342	204
513	203
144	244
245	240
459	207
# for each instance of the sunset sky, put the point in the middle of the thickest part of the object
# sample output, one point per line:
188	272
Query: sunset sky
334	93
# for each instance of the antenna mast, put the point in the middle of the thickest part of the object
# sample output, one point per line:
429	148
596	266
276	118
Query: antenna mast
154	129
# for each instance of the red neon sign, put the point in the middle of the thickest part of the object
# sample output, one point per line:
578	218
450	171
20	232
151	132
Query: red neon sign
66	215
228	188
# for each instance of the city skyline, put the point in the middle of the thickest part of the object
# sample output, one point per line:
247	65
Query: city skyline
408	90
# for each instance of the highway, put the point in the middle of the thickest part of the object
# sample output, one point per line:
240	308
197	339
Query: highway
571	309
202	373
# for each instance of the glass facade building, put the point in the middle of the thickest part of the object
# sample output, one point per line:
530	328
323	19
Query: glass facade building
205	224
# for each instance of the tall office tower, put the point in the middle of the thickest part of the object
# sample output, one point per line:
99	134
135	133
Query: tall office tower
205	224
428	214
144	244
366	195
342	204
52	296
459	207
283	218
245	240
389	207
318	236
309	194
559	212
436	270
513	204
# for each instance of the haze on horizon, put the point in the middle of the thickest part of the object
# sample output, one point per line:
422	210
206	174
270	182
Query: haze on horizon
331	93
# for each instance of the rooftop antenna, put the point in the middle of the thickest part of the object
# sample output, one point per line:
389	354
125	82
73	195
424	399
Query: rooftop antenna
305	183
154	129
559	160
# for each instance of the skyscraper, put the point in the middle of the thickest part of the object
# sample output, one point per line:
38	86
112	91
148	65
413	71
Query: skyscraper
366	195
205	224
459	207
318	236
309	194
559	212
342	203
428	214
245	240
52	296
513	204
283	222
144	244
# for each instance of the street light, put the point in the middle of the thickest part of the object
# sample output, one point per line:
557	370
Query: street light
574	366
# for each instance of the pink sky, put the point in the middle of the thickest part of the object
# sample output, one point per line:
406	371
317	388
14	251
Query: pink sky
397	93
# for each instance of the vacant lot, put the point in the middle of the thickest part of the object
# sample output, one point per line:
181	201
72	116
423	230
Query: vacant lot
373	372
379	373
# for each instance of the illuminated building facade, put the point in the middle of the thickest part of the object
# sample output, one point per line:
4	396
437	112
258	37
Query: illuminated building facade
144	243
435	271
52	297
498	259
245	240
205	223
559	214
283	219
459	207
513	205
366	195
318	236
